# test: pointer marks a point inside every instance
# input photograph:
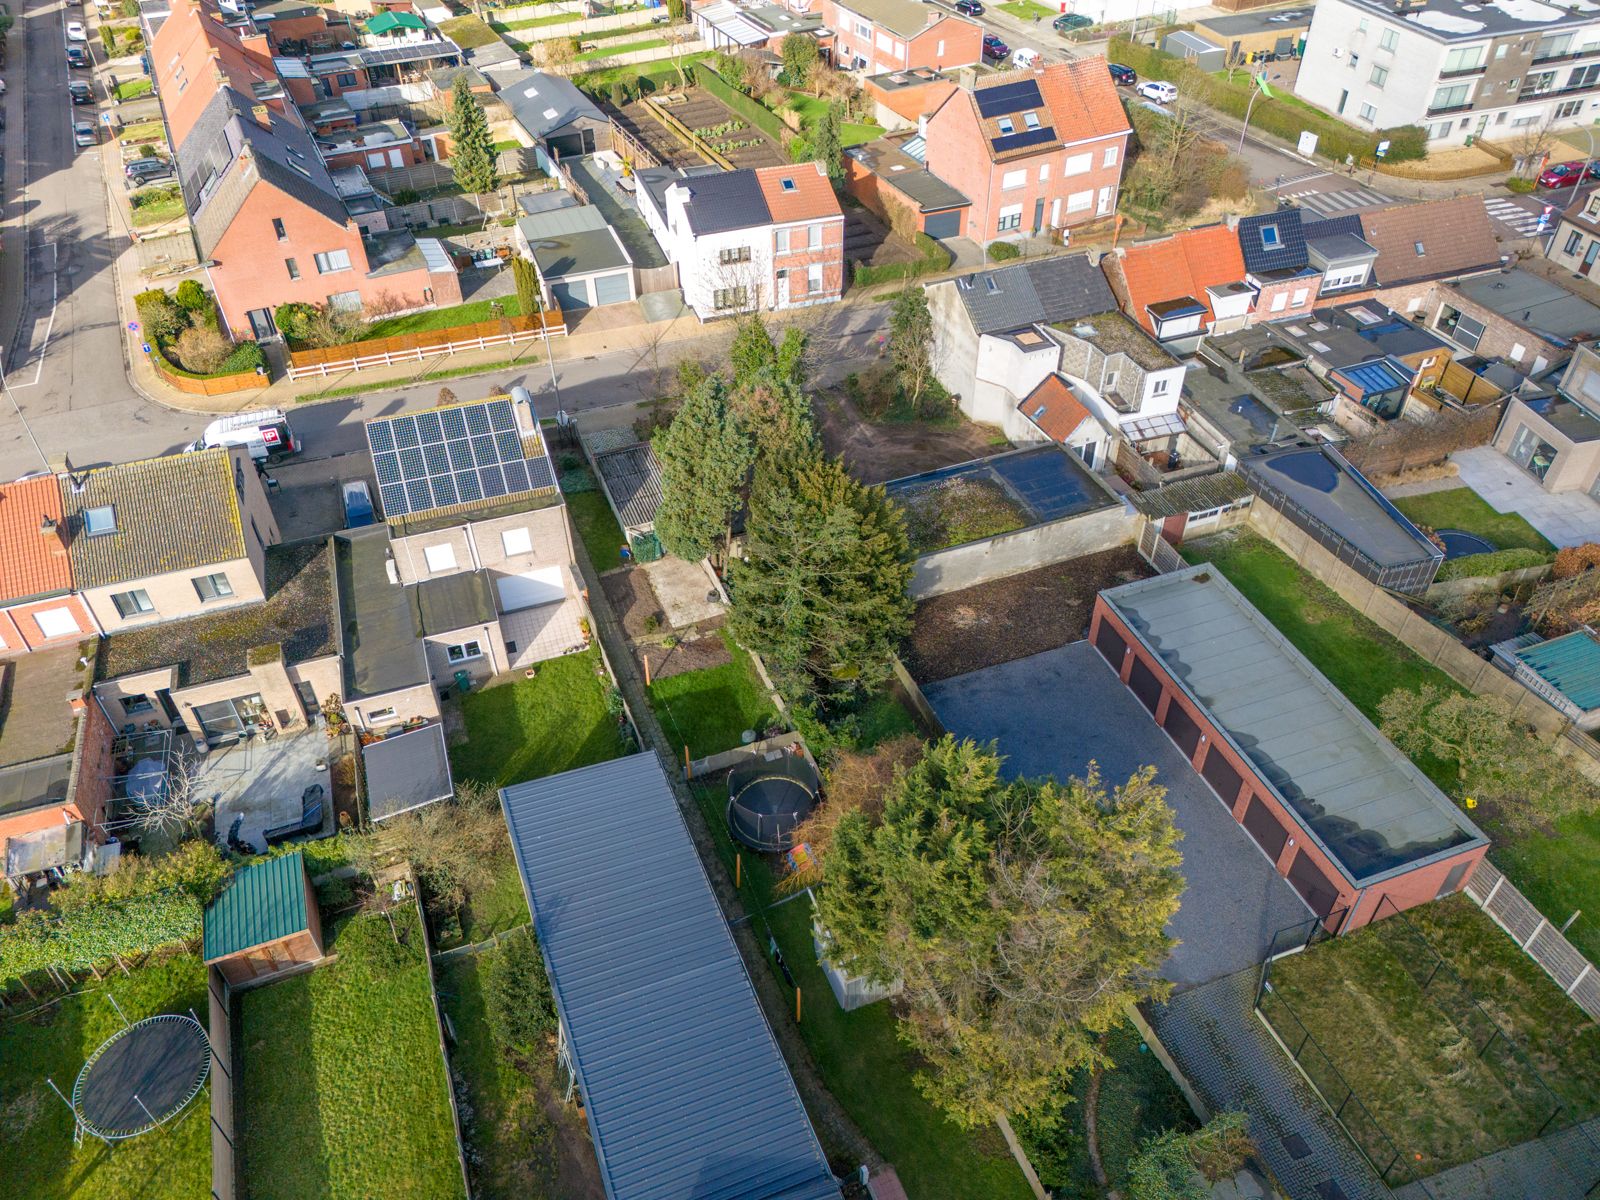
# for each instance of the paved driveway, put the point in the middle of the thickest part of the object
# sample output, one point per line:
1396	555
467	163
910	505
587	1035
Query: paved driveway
1051	714
1566	518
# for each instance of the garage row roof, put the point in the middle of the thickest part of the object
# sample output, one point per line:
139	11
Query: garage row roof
685	1091
1356	795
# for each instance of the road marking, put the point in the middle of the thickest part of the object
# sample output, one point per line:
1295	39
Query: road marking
1510	213
1299	179
1328	204
55	294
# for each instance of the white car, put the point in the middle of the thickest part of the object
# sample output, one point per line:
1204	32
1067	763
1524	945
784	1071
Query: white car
76	32
1158	90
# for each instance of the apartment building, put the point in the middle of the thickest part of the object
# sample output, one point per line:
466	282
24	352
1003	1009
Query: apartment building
873	36
1033	150
764	239
1462	71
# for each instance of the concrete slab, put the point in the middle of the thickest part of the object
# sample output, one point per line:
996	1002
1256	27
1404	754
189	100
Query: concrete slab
1566	518
263	781
1054	712
543	631
684	592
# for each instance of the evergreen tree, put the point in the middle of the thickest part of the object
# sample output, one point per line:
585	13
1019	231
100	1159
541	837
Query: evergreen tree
526	276
752	351
776	414
471	147
1022	918
821	593
827	145
800	59
705	457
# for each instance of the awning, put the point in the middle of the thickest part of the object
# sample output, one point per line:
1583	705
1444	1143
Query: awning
43	849
407	771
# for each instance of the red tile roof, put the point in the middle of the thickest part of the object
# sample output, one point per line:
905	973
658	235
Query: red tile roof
1054	409
811	197
1182	265
31	564
1080	100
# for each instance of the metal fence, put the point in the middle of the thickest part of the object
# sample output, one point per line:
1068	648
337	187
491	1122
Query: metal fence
1541	941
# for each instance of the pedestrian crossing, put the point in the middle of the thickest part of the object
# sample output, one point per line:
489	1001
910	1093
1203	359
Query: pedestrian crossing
1508	212
1328	204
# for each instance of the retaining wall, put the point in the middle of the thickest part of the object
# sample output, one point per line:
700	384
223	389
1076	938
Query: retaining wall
1450	589
1022	550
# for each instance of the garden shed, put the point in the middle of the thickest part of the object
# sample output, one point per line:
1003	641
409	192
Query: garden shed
264	923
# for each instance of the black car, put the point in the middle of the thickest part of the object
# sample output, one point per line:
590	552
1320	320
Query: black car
77	56
1122	76
1067	22
969	8
80	92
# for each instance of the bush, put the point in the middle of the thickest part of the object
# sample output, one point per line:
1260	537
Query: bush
202	350
516	994
294	319
800	150
246	356
191	297
1575	560
160	315
1473	565
1003	251
1521	186
405	196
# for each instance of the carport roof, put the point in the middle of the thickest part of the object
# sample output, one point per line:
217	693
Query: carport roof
685	1091
406	771
633	480
1357	796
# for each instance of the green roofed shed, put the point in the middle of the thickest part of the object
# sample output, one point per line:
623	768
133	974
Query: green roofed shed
394	22
264	922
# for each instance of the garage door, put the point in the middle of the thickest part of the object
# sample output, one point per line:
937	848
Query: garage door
612	289
571	295
944	225
542	586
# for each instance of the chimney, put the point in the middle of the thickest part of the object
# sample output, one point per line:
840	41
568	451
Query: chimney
50	530
262	114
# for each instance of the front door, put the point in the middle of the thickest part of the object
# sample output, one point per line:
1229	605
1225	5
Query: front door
1589	255
1105	202
261	324
1038	214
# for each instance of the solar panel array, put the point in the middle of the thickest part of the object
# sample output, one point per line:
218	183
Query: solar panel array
1028	137
409	52
1008	98
457	455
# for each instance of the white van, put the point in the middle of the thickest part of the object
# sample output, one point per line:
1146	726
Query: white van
1024	57
266	432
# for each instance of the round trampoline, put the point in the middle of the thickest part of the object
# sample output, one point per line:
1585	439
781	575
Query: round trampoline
1458	543
141	1077
767	798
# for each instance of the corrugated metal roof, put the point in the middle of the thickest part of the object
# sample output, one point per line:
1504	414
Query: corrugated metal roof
1192	495
261	903
1570	664
686	1093
633	479
407	771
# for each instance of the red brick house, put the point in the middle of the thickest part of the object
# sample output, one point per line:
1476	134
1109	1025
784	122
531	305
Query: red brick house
894	35
1033	150
40	609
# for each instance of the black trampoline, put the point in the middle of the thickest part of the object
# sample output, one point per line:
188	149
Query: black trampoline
768	797
141	1077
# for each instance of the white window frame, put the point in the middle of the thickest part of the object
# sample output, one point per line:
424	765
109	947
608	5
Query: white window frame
331	262
439	558
1078	164
377	715
1044	172
1280	302
1080	201
220	586
1110	157
1300	296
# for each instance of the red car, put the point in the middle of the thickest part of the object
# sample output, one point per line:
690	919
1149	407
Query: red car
1566	174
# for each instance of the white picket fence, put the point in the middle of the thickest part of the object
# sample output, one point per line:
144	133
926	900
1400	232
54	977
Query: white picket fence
421	353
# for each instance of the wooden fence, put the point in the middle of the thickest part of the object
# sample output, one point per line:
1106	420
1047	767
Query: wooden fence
219	1029
1541	941
211	385
414	347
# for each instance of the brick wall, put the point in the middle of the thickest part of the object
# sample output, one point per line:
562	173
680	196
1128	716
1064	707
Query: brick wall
1422	302
797	262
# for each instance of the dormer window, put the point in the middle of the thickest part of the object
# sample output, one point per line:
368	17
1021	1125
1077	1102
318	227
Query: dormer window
100	520
1007	125
1031	120
1270	238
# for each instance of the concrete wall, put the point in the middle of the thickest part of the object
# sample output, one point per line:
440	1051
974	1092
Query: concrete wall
408	704
1024	550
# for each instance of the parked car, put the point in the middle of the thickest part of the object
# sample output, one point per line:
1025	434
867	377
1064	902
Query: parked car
146	170
1024	56
994	49
358	509
1122	76
1158	90
80	92
84	134
969	8
1067	22
1566	174
77	56
76	32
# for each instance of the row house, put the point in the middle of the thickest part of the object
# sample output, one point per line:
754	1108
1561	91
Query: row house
1033	151
1180	288
873	36
1576	244
751	240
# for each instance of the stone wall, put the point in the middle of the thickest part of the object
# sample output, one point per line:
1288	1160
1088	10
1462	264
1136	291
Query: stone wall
1022	550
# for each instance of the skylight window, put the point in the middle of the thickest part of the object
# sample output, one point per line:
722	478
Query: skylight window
550	114
1038	412
1031	120
1270	238
1420	250
100	520
788	184
1007	125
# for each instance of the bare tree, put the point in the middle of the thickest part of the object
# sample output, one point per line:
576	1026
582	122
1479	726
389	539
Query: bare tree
1530	148
558	54
177	810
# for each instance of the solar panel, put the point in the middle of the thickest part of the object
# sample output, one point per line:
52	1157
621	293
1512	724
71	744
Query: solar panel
456	455
1008	98
1029	137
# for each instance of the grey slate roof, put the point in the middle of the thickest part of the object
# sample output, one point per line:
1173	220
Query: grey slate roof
685	1091
214	189
1362	800
1044	292
532	94
718	203
407	771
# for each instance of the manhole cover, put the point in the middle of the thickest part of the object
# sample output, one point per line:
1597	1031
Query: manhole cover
1296	1146
1329	1190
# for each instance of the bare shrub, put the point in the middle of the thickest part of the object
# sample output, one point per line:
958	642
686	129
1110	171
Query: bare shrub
202	349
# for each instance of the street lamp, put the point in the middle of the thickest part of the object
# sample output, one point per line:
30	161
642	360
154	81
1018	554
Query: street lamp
1261	90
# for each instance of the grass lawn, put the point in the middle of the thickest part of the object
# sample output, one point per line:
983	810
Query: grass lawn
1027	10
468	32
445	318
863	1063
606	51
851	134
554	722
1416	1065
143	131
880	718
165	206
533	22
1463	508
133	89
1561	875
664	75
591	516
37	1157
709	710
342	1090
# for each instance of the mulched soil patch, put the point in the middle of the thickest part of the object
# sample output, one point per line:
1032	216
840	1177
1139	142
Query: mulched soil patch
686	656
1014	617
633	600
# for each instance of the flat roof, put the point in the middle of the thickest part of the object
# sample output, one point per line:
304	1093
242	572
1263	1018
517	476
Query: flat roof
1352	792
1046	482
885	159
1570	664
686	1094
406	771
1230	403
1453	21
382	652
1567	415
1334	493
1286	21
1534	303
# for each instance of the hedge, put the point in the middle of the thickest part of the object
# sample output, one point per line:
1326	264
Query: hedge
934	258
1285	116
758	114
1471	566
97	936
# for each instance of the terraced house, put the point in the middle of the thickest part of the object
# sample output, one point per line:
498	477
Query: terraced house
897	35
